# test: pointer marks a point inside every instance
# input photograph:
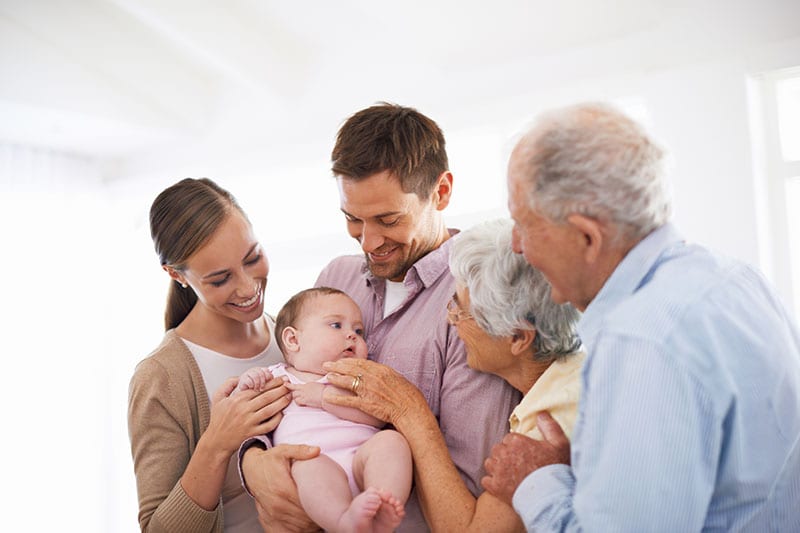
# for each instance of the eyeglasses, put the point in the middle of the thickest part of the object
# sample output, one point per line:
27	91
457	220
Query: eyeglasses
455	314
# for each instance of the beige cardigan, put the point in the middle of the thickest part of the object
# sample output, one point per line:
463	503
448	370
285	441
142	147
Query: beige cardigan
168	410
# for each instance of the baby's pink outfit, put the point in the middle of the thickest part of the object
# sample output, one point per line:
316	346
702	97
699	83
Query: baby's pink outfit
337	438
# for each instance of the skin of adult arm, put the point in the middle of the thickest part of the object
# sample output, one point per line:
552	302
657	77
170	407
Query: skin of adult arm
446	502
180	487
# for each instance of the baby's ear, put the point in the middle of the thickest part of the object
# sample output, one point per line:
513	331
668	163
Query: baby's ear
290	339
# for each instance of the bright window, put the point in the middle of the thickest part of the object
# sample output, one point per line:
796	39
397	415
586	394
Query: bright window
776	138
787	92
793	218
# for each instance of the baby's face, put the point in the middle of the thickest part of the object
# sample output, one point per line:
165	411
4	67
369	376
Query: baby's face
329	329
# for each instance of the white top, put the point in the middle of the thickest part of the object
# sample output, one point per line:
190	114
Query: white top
396	293
239	508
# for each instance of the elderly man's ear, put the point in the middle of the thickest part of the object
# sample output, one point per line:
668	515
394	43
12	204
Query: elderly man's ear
589	236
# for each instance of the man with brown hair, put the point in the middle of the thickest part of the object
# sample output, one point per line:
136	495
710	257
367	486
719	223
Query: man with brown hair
391	169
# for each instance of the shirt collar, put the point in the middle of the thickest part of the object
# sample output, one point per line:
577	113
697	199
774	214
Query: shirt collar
629	275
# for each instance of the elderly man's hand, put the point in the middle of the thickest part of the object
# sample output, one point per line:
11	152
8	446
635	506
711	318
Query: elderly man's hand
268	477
517	456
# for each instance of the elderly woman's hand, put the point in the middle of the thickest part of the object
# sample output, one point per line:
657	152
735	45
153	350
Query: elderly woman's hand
378	390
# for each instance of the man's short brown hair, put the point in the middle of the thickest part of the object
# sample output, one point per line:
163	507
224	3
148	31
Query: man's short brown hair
395	138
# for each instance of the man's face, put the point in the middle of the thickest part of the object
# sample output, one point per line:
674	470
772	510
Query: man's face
550	247
394	228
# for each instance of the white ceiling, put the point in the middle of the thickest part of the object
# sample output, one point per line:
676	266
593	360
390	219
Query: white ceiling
115	78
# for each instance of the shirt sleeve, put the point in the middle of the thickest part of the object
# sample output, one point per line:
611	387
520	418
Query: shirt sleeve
644	456
551	488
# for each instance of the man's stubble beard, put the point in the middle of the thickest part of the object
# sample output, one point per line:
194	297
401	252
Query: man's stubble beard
391	271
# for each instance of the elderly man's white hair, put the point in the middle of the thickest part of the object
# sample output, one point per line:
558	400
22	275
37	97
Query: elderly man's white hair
507	294
592	160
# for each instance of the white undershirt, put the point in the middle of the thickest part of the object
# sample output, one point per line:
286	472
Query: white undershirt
239	508
396	293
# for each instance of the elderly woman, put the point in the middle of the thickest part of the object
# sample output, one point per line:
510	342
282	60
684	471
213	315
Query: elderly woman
503	312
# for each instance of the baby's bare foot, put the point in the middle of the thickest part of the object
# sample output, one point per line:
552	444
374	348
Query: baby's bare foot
359	517
390	514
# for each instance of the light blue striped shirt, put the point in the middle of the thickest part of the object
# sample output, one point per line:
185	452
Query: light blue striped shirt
689	418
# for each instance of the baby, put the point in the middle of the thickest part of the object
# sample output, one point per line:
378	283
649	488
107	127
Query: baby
362	477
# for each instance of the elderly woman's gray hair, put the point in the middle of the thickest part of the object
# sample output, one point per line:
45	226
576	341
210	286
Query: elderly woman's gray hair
507	294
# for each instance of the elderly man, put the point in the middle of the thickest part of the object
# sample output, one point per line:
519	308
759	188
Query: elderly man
391	168
690	416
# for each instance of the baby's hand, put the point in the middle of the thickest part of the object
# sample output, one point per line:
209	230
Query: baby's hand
307	394
254	378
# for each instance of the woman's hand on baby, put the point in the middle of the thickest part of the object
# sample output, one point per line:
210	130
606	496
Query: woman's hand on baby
237	417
